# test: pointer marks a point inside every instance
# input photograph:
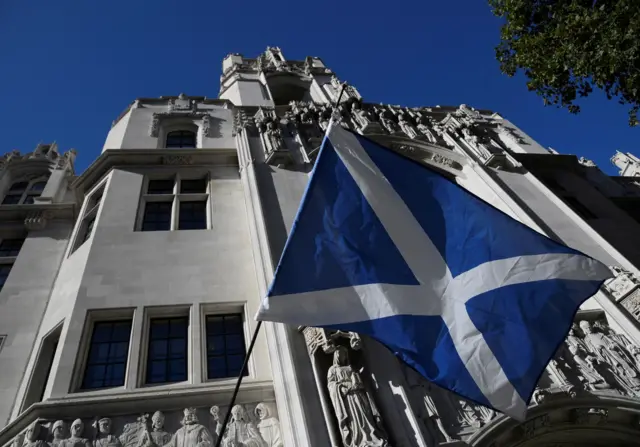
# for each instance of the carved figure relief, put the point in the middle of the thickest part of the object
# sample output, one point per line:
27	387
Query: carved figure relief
610	351
428	409
157	437
32	435
358	420
58	431
192	433
387	122
76	439
423	127
105	438
241	432
592	379
407	126
217	423
269	426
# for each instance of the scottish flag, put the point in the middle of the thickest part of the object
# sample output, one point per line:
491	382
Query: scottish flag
473	300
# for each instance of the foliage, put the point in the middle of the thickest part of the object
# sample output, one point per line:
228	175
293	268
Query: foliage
566	48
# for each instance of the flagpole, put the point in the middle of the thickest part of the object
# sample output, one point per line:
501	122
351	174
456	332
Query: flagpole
238	383
227	416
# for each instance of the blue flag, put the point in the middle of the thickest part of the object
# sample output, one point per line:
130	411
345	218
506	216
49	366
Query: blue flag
470	298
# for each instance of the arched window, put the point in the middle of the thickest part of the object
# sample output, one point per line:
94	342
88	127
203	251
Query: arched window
181	138
24	192
34	191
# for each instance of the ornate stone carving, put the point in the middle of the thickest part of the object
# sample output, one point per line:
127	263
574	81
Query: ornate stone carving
271	136
215	416
632	303
358	418
58	432
154	125
406	124
363	119
37	220
586	162
157	437
32	435
181	104
622	284
385	118
609	350
441	160
241	432
105	438
177	160
510	134
428	409
76	439
192	433
424	127
269	425
207	128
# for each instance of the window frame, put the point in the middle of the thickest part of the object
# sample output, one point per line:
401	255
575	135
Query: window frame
175	124
10	260
176	198
210	309
159	312
85	225
182	131
93	317
26	192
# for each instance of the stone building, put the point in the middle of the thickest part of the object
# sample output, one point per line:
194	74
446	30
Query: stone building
129	290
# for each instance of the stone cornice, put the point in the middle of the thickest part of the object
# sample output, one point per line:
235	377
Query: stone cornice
35	216
145	400
152	157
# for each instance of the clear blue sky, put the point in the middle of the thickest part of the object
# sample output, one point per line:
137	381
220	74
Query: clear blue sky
68	68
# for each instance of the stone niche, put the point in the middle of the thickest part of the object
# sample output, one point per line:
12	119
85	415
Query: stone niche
254	425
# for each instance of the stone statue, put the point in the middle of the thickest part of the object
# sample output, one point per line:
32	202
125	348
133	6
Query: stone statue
591	377
241	432
574	340
105	438
423	127
407	126
467	415
353	408
635	352
361	116
58	434
76	439
31	436
431	413
269	426
157	437
387	122
273	136
610	351
191	434
215	415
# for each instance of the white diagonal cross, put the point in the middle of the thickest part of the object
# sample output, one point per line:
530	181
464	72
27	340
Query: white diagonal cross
438	293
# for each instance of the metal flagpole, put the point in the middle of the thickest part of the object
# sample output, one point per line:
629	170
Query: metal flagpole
227	416
238	383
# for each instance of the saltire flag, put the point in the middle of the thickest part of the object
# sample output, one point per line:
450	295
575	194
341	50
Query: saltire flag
472	299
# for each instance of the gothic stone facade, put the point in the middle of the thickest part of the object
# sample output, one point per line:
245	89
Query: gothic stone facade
112	334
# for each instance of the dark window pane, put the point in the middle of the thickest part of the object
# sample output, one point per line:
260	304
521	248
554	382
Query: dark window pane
12	199
198	186
38	187
193	216
88	228
160	186
107	359
225	345
167	350
10	247
5	269
29	200
157	216
19	186
181	138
